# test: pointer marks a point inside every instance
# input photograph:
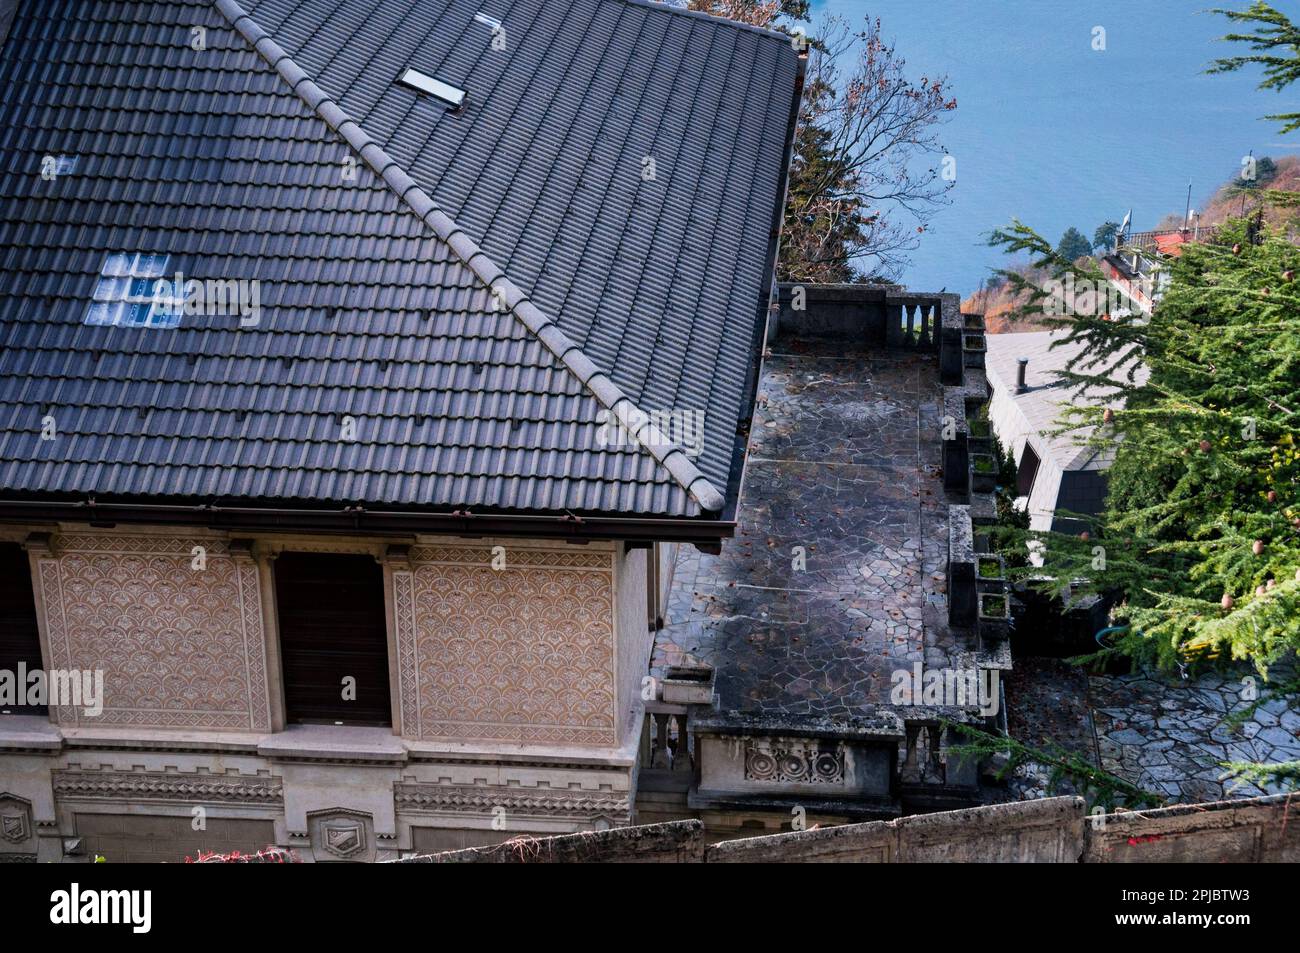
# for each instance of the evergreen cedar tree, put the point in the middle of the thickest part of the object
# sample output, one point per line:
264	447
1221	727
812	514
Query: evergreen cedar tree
1199	541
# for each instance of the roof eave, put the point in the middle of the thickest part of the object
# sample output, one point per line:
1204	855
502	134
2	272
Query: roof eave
364	521
740	455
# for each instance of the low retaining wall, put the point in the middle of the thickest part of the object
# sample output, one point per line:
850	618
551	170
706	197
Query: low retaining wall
1049	830
1251	830
1052	830
676	842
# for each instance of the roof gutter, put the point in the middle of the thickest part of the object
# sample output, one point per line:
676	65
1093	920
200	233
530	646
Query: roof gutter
358	520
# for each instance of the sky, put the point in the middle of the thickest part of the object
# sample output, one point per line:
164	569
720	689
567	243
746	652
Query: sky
1058	134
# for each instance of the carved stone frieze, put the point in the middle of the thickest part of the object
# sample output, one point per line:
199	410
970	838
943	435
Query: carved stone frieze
483	800
793	761
199	788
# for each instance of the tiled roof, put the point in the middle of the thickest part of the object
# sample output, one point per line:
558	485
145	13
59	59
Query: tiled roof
1047	395
375	303
660	283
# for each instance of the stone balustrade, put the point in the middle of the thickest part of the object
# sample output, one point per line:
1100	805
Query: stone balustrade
665	739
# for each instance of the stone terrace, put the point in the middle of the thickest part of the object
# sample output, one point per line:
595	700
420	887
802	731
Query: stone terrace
844	463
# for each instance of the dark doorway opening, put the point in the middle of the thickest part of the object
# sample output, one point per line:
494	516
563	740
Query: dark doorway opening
332	629
20	639
1027	470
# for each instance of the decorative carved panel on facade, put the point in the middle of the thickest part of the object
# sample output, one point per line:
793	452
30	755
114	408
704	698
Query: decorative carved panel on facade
534	802
179	647
199	787
342	834
794	762
15	820
523	654
344	838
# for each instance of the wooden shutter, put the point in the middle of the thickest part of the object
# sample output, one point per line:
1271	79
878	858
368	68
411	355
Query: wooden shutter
20	639
331	611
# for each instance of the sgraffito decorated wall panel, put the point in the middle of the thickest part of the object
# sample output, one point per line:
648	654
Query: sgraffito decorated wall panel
178	635
521	653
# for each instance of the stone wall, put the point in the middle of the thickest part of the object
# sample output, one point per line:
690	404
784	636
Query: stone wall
1048	831
633	637
1250	830
838	311
1051	830
674	842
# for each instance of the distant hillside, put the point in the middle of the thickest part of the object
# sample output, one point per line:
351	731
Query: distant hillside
1282	174
997	301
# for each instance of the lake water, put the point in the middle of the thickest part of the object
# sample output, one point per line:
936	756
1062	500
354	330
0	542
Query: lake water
1050	130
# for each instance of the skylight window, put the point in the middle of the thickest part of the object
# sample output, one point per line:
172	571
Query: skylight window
424	83
132	292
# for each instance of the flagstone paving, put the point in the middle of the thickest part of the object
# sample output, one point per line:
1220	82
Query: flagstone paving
1167	735
836	576
1172	736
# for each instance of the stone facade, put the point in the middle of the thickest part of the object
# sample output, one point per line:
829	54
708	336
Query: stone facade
516	697
633	637
132	839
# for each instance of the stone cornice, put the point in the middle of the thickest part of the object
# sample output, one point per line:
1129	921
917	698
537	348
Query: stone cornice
199	787
473	799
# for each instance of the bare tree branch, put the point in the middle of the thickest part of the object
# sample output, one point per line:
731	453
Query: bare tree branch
859	198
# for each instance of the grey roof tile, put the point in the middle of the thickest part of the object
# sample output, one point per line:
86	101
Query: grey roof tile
518	111
211	157
1040	407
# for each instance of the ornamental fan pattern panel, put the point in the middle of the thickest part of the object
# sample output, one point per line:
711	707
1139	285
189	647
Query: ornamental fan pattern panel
179	647
523	654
